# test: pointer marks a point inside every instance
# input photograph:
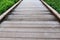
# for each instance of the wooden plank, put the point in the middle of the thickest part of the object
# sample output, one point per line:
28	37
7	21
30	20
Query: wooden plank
19	7
25	39
32	18
31	8
31	13
30	30
32	22
28	35
28	26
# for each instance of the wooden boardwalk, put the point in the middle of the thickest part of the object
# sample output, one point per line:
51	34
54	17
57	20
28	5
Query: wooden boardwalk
30	20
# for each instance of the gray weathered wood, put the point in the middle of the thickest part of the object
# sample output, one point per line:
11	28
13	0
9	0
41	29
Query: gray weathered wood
31	20
25	39
32	17
31	13
28	35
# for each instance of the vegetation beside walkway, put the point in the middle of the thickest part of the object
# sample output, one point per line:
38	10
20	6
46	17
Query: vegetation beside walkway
6	4
54	4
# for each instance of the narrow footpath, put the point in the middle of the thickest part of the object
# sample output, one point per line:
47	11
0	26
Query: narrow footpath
30	20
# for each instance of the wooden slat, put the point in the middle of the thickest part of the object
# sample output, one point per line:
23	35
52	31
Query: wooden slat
32	8
25	39
33	22
28	35
28	26
30	30
31	13
18	10
32	17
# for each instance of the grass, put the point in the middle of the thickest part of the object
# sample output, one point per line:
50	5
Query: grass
54	4
6	4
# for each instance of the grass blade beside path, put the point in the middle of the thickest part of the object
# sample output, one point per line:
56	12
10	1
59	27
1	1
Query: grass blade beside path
6	4
54	4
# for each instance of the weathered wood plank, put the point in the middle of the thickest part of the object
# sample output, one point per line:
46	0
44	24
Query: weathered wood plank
31	30
31	13
28	35
32	17
32	22
25	39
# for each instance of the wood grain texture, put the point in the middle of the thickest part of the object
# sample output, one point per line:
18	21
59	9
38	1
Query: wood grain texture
30	20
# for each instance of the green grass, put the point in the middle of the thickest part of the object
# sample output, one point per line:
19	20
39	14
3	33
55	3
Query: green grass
6	4
54	4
